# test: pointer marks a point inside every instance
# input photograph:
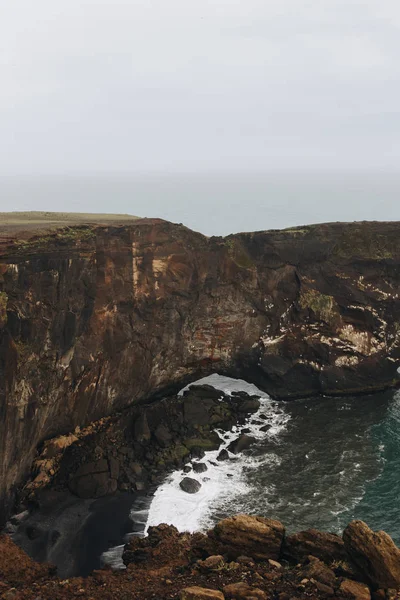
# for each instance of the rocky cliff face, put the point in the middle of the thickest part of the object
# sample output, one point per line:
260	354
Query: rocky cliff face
93	319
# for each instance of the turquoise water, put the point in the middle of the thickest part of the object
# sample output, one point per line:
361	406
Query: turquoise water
335	460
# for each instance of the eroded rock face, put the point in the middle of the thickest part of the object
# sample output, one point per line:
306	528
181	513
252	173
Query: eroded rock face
375	555
243	535
94	318
327	547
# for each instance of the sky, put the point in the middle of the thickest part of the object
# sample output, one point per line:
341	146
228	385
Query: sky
133	87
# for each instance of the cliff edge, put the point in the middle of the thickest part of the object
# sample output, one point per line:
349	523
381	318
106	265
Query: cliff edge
95	317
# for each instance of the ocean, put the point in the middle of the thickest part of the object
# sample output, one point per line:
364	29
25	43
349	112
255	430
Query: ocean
322	463
214	203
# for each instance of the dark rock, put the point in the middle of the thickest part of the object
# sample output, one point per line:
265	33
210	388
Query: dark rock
204	391
265	428
141	428
100	466
243	442
375	554
163	435
113	464
94	485
187	468
223	455
328	547
189	485
245	404
199	467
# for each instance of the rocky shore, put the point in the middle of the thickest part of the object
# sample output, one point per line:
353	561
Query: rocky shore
95	318
242	558
79	480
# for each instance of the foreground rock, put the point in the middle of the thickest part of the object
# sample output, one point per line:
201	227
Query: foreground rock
325	546
257	537
189	485
165	565
198	593
375	554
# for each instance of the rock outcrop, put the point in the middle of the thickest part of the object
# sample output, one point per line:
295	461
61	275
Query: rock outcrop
374	553
257	537
95	318
166	565
325	546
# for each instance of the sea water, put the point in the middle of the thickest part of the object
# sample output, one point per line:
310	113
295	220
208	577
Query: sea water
322	463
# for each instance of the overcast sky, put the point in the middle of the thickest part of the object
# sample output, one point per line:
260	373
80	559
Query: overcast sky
196	85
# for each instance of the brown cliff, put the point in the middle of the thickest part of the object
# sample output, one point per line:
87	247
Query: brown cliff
94	318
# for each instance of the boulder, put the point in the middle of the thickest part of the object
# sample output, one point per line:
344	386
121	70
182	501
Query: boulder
318	571
325	546
163	435
242	591
94	485
374	554
189	485
211	563
355	590
199	467
243	442
199	593
223	455
243	403
257	537
204	391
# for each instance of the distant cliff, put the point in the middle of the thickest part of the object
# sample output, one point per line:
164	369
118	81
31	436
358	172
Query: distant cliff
93	318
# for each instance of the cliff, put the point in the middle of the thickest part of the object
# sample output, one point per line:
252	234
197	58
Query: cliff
94	318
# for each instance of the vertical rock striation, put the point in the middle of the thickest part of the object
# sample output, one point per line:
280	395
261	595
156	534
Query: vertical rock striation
94	318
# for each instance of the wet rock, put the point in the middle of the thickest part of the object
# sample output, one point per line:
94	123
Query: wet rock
187	468
265	428
325	546
375	554
204	391
243	442
189	485
199	467
243	591
257	537
243	403
354	590
223	455
199	593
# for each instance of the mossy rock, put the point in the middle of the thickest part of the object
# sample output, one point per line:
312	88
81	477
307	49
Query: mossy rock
212	442
365	243
238	254
323	306
3	308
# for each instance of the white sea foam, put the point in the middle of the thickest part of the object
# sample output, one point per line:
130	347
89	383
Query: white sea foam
223	482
